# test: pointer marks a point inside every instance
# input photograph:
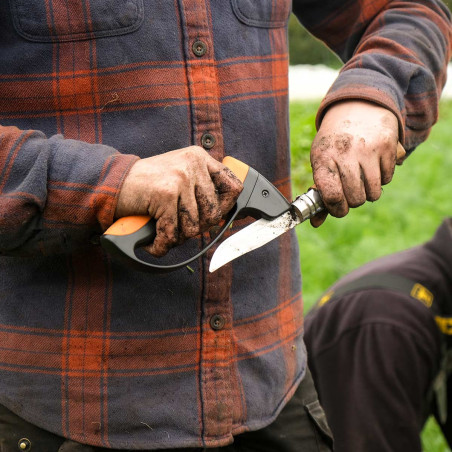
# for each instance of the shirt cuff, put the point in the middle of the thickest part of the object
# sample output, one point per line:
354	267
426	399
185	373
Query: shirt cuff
368	85
116	169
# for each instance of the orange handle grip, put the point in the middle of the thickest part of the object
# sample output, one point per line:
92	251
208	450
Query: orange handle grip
239	168
127	225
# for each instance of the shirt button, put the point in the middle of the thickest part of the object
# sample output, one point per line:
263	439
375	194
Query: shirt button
24	444
208	141
217	322
199	48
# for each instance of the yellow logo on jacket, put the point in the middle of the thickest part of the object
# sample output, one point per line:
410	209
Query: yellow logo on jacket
422	294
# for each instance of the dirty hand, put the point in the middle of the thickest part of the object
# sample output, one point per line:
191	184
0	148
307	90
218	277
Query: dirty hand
353	154
186	191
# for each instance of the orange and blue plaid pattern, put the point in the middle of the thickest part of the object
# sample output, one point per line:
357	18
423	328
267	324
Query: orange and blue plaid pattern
93	350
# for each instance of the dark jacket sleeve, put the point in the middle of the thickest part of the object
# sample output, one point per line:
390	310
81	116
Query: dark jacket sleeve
395	54
55	193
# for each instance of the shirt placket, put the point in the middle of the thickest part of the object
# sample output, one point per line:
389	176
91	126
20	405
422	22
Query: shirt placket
202	78
218	394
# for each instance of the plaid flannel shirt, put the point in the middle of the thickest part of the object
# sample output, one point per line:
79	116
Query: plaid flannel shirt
93	350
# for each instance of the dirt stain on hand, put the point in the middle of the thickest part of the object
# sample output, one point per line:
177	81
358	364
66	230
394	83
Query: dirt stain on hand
343	143
323	143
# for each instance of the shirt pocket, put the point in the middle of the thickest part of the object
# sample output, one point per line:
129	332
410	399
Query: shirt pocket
263	13
62	20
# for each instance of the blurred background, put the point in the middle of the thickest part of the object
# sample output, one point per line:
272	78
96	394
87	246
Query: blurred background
410	209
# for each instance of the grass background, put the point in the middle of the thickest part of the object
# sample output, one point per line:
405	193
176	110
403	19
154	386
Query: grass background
410	209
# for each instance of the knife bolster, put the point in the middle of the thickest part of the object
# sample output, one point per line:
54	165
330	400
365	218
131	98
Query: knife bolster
308	205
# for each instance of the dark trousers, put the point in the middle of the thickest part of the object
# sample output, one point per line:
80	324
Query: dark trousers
300	427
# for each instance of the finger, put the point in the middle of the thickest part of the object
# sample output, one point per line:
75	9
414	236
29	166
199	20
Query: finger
319	219
188	216
352	179
328	182
387	165
210	212
228	187
372	181
167	234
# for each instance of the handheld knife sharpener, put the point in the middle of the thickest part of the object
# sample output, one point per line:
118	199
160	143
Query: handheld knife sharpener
259	199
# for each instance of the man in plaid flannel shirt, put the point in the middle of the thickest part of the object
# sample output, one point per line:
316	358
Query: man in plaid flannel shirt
111	108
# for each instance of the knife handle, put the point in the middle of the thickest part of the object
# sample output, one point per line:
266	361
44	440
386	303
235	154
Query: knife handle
308	204
401	154
258	197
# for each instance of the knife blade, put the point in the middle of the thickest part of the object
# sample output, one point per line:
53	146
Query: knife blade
263	231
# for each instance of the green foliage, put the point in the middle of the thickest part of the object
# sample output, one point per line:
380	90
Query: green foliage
432	439
305	49
410	209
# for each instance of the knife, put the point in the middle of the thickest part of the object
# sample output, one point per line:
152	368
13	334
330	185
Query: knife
264	230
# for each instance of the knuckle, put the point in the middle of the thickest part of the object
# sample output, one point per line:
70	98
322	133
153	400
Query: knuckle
170	190
324	172
318	159
321	143
196	151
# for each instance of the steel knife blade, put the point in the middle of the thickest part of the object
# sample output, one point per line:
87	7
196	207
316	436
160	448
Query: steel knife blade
263	231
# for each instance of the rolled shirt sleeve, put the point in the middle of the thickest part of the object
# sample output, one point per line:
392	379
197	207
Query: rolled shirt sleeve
395	54
55	193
